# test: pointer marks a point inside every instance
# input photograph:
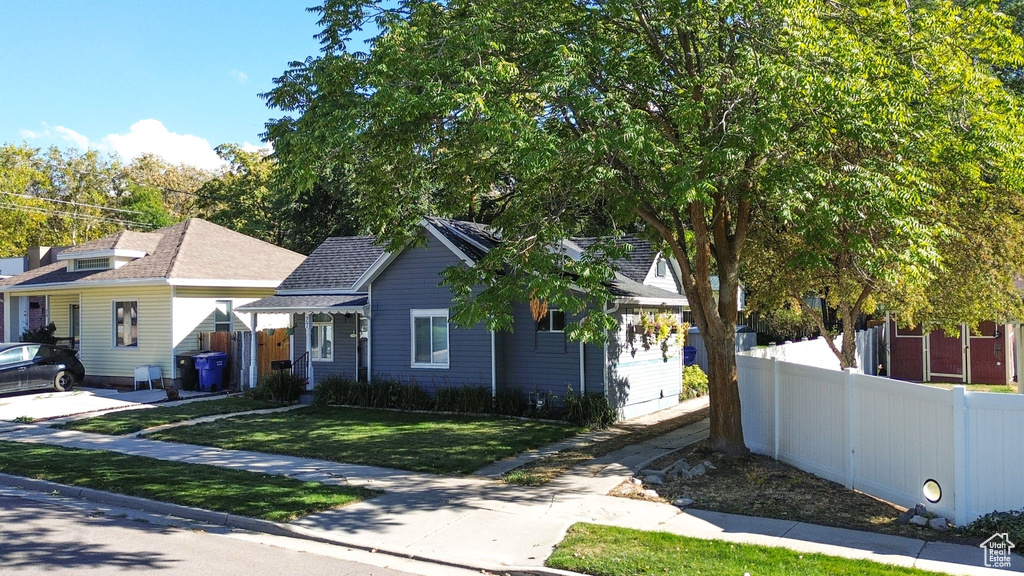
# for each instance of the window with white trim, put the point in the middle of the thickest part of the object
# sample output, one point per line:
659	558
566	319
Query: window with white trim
92	263
429	338
553	322
323	338
126	324
661	270
222	316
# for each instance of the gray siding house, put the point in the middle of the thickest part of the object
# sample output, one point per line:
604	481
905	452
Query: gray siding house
368	312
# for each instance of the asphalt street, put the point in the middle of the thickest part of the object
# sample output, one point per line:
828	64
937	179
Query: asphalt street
40	535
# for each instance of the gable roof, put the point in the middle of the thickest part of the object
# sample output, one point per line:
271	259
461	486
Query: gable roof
636	263
334	265
190	252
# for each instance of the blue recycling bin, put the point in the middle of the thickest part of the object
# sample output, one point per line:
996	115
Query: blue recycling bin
211	367
689	355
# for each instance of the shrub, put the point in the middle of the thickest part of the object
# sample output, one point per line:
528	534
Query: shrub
466	399
1012	523
695	382
509	402
282	387
588	410
44	335
381	393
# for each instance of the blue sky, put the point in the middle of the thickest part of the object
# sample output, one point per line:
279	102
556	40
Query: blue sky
143	76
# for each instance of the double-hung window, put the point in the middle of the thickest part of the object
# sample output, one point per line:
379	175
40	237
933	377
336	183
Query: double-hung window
126	324
554	321
429	338
661	269
222	316
323	338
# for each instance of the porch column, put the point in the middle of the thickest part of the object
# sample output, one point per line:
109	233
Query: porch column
309	351
23	312
5	336
254	350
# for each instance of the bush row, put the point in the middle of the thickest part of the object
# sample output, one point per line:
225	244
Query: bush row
589	410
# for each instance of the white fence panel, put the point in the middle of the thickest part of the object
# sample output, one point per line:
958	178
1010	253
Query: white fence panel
902	437
757	397
806	352
995	467
812	421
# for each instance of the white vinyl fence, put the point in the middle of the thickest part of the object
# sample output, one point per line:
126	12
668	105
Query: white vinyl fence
887	437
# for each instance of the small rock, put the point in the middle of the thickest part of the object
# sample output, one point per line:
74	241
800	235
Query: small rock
918	520
905	517
636	481
651	493
653	479
683	502
681	465
698	470
708	465
938	524
684	474
920	510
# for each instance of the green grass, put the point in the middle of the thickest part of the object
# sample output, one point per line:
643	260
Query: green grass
128	421
997	388
613	551
239	492
436	443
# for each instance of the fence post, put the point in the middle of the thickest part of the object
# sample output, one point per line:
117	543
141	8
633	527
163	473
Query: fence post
851	421
960	447
777	419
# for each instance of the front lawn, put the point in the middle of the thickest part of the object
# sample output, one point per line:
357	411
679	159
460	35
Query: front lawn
1010	388
436	443
128	421
239	492
613	551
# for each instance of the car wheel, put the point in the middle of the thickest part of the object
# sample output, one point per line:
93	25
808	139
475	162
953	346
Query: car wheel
63	381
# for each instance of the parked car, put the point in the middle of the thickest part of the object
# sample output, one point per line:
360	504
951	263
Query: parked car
31	366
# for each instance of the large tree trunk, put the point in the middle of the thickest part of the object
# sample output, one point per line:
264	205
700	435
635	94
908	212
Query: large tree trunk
726	434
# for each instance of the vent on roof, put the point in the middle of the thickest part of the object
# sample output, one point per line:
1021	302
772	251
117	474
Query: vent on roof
92	264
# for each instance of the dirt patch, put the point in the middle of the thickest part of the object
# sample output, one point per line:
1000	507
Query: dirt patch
760	486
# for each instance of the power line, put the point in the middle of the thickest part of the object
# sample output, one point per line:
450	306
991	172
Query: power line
74	215
30	197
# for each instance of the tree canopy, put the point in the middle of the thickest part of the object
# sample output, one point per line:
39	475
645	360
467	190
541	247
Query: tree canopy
698	124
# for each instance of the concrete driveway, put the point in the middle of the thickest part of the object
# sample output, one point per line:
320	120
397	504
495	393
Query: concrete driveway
47	404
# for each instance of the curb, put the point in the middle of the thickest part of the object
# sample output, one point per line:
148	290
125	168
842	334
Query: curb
253	524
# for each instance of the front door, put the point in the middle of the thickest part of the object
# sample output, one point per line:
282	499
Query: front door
74	324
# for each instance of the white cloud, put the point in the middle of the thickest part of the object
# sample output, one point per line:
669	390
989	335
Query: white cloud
31	135
152	137
238	75
264	148
80	141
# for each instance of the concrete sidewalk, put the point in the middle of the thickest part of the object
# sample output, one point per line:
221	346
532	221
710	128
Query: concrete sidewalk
82	401
484	523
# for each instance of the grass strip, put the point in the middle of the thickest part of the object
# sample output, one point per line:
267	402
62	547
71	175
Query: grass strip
545	469
128	421
614	551
434	443
239	492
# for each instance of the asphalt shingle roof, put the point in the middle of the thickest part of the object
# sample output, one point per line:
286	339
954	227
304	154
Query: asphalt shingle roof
193	249
636	264
306	302
334	265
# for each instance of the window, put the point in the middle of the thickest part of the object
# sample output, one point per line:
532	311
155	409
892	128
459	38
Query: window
92	263
12	356
662	268
126	324
553	322
222	316
429	338
323	337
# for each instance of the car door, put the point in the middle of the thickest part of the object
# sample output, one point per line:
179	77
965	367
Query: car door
12	367
39	368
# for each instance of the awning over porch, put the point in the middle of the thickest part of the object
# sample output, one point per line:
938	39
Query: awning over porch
309	303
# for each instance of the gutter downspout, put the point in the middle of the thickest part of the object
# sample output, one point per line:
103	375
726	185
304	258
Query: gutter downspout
583	373
494	369
254	353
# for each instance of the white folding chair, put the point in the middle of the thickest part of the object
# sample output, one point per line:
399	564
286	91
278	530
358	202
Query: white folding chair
148	374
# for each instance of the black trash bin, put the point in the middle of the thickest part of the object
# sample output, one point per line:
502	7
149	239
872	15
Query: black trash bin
186	368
